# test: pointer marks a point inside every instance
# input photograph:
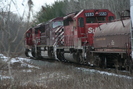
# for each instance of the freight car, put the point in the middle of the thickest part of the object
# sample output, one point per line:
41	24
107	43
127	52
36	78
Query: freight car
112	43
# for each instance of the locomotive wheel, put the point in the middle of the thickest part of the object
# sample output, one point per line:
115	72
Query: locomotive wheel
130	66
51	53
116	64
33	53
96	60
81	58
60	55
103	62
26	52
76	57
90	60
39	53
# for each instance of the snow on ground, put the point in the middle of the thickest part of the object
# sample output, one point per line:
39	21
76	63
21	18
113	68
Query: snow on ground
29	70
3	57
55	75
103	73
5	77
25	62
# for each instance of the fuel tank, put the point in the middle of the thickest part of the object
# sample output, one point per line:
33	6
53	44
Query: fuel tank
71	57
113	36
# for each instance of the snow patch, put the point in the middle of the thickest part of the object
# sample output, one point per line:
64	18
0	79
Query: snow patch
25	62
54	75
29	66
24	59
13	60
27	70
3	58
105	73
5	77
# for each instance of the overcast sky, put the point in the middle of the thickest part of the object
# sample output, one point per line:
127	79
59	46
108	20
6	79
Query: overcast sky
20	6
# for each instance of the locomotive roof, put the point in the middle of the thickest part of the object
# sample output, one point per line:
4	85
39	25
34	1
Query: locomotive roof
79	12
40	25
57	18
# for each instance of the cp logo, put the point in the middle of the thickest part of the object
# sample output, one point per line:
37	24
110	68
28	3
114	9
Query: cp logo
90	30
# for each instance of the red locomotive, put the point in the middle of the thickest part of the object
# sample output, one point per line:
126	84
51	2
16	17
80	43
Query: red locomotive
79	28
41	39
91	37
51	37
32	38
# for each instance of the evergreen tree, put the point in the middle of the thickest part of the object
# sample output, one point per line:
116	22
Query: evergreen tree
61	8
48	12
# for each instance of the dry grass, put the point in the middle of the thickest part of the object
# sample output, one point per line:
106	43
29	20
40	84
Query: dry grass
56	75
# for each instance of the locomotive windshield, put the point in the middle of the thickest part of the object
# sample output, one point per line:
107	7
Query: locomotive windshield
95	19
57	23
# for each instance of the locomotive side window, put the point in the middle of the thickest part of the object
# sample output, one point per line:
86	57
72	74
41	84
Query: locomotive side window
111	18
90	20
81	22
95	19
101	19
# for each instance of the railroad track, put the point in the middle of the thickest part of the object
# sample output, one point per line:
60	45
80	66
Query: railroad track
107	70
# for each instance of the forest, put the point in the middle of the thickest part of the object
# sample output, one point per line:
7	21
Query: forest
63	7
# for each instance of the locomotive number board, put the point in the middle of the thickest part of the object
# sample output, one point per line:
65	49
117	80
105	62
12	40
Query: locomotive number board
93	14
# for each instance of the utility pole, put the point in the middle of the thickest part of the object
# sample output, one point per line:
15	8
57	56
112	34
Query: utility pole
131	30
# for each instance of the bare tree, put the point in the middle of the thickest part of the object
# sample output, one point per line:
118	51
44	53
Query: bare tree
113	5
12	29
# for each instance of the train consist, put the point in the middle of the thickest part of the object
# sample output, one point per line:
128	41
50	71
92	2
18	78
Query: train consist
92	37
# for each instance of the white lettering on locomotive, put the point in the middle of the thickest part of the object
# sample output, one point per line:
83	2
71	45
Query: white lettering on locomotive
112	42
91	30
102	13
89	14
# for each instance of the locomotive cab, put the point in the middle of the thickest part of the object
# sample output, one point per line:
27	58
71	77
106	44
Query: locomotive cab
91	20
